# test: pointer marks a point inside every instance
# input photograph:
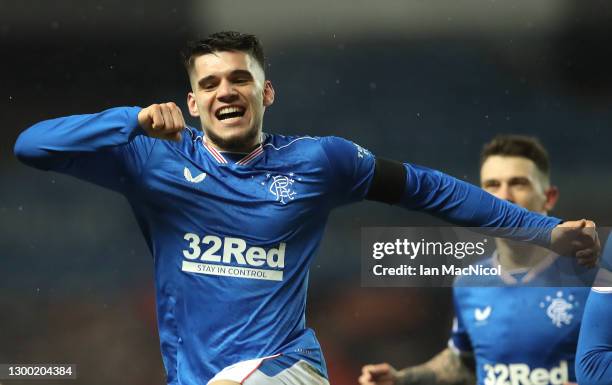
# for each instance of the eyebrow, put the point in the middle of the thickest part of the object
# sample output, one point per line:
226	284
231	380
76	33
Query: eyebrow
209	78
489	181
511	179
241	72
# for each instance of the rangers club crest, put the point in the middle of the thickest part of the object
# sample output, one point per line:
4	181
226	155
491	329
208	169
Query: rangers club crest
282	187
559	309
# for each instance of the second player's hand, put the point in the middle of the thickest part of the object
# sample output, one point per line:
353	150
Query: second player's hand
379	374
578	239
163	121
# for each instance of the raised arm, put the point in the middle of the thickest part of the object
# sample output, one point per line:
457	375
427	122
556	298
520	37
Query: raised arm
446	368
50	144
105	148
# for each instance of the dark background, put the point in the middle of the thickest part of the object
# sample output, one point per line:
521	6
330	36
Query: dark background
410	80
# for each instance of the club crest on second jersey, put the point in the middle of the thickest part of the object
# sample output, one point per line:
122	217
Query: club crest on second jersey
559	308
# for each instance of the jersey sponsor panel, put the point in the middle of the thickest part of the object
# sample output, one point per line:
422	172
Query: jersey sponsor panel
232	257
523	374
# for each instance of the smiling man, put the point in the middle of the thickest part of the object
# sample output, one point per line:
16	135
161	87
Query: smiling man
233	216
229	95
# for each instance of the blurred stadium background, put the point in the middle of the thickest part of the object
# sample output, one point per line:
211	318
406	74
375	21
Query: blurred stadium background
424	82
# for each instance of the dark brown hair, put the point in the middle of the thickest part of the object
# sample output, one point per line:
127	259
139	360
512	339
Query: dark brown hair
223	41
518	145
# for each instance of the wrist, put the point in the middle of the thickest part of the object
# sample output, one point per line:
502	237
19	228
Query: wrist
416	375
134	124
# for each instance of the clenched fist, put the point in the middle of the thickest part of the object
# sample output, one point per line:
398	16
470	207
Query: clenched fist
578	239
380	374
163	121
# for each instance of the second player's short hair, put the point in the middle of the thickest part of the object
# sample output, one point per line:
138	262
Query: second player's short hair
223	41
518	145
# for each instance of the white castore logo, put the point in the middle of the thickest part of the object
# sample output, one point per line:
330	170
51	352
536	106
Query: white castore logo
558	309
482	314
190	178
281	188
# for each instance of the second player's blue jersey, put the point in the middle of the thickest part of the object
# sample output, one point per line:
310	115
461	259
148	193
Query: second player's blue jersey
520	331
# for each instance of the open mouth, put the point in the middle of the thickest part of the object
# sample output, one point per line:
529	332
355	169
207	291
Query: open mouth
229	112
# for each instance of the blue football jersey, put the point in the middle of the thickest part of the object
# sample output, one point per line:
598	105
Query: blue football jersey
594	357
520	329
232	235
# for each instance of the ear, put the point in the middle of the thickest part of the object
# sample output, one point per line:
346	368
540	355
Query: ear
552	196
268	93
193	107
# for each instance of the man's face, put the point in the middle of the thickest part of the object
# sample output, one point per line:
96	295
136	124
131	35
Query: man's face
517	179
229	95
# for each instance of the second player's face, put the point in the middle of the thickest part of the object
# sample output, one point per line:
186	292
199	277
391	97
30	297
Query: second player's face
517	180
229	96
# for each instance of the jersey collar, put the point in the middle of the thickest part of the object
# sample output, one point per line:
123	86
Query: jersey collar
531	272
248	158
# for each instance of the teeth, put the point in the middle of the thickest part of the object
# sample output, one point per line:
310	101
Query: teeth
229	110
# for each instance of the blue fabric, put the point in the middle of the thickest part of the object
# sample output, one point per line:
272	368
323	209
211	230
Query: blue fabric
467	205
594	363
517	332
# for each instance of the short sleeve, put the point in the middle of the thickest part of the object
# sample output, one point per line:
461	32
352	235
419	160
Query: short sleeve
351	169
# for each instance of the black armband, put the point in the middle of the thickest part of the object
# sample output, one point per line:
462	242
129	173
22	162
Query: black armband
388	183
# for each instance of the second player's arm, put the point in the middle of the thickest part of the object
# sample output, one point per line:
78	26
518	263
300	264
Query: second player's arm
446	368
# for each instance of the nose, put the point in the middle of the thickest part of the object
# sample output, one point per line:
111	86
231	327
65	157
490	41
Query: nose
505	192
226	92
